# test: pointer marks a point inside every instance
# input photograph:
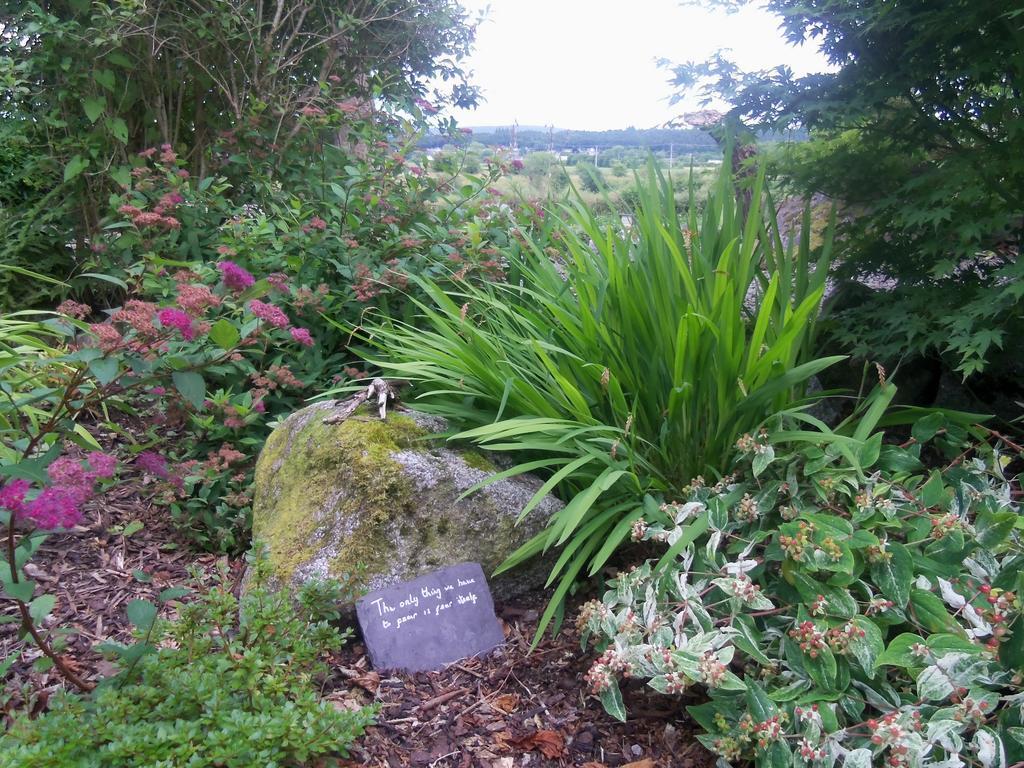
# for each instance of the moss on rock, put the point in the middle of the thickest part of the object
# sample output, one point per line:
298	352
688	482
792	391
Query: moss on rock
379	499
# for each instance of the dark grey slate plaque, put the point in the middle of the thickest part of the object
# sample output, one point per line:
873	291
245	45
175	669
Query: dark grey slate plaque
431	621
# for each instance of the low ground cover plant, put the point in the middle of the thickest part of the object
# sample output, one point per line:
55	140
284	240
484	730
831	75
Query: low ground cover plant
623	362
227	682
835	602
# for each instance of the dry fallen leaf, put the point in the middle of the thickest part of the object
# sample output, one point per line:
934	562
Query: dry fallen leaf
551	744
506	702
593	764
645	763
343	701
369	680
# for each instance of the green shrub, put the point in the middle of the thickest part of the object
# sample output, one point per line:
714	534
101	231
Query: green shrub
85	88
227	683
591	178
626	367
832	604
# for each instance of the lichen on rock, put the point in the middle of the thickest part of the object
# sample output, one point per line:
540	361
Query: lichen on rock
379	501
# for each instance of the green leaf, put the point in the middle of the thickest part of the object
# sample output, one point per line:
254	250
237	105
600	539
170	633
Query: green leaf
822	669
119	128
894	575
40	608
930	611
870	451
173	593
749	640
924	429
122	175
857	758
866	650
758	704
690	533
838	601
105	278
933	684
142	614
778	755
898	653
118	58
104	77
104	369
132	528
1011	650
192	387
611	700
762	459
943	643
933	493
94	106
224	334
21	590
994	527
75	166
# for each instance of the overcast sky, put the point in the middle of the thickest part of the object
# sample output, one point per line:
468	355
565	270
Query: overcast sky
590	64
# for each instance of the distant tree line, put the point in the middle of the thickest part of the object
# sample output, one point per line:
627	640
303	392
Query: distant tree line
686	140
681	141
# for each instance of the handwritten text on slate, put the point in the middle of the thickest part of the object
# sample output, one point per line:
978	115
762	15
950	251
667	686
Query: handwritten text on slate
430	601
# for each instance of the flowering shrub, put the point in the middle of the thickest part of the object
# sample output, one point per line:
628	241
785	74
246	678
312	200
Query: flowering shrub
830	615
208	688
216	355
161	356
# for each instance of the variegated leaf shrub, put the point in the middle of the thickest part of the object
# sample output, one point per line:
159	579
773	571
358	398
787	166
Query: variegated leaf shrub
831	614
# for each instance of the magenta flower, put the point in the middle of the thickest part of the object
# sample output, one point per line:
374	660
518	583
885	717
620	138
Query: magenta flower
269	313
171	317
302	336
68	472
56	507
279	282
152	463
101	464
12	495
317	223
235	277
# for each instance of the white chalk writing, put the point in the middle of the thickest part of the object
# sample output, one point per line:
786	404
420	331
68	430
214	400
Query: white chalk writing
431	601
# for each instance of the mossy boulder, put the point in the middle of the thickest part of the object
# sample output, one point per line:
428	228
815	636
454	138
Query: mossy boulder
377	501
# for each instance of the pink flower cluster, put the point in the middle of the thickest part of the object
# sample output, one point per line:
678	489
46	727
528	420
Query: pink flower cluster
301	335
269	313
59	505
275	316
152	463
74	309
236	278
158	217
176	318
196	298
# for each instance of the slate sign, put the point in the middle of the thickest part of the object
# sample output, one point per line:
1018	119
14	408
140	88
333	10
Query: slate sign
431	621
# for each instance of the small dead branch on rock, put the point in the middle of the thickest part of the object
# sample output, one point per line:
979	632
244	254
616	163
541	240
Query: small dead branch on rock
385	393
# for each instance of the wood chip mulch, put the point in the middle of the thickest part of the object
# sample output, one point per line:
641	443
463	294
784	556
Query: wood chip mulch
511	708
94	570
